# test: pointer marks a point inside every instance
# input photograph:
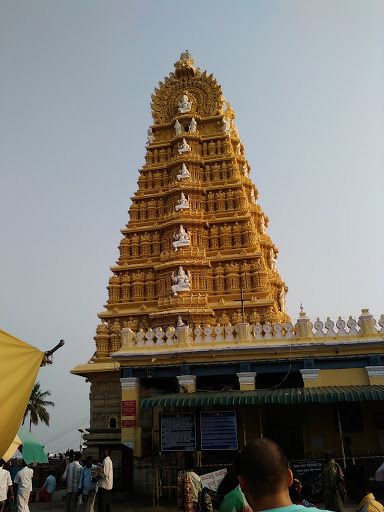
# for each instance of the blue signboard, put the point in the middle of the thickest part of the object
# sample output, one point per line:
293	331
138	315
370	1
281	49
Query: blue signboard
218	430
178	432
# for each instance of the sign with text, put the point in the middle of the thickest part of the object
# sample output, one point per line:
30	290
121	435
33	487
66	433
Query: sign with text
218	430
302	467
128	423
178	432
128	408
213	480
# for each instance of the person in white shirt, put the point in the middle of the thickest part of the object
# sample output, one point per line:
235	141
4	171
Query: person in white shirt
72	476
24	481
5	484
105	484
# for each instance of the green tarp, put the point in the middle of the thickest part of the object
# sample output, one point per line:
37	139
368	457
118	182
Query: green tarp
32	450
287	396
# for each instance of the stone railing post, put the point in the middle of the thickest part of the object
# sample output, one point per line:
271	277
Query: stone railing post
366	322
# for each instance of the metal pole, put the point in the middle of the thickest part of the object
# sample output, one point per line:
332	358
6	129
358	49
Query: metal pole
341	435
260	422
244	432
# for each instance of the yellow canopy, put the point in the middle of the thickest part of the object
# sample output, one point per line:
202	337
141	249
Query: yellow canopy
12	449
19	364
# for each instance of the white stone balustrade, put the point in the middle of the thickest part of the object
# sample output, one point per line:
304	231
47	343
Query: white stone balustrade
364	329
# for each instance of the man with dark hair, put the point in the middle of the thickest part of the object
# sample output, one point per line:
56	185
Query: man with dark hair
358	488
48	488
87	484
234	499
24	481
333	483
188	487
72	476
61	468
5	484
265	478
105	483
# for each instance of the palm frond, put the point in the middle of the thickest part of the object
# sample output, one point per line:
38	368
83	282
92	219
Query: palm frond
36	407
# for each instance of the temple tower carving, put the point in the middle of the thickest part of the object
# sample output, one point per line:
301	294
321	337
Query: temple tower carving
197	234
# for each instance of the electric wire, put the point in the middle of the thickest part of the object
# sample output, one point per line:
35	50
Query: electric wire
80	422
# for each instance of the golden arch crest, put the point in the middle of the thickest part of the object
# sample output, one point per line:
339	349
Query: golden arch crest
202	90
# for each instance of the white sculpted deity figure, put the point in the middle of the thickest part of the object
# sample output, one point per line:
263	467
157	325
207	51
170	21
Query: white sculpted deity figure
182	203
235	131
226	128
262	225
184	173
238	150
178	128
182	281
193	126
283	300
182	238
245	170
272	259
151	137
180	322
184	105
254	201
184	147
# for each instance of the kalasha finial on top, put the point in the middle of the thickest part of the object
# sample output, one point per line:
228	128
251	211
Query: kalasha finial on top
185	67
302	312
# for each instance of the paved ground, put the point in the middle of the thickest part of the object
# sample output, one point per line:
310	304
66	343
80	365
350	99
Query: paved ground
121	502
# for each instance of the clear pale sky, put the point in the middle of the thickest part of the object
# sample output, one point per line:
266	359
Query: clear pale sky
306	79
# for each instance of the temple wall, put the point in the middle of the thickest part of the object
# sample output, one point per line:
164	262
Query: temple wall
105	399
340	377
321	430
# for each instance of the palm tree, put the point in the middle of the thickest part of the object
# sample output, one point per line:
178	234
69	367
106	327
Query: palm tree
37	406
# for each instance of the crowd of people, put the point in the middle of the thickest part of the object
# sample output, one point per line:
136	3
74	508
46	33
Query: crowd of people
83	481
262	481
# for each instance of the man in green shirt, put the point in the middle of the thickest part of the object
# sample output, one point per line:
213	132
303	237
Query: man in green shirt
235	501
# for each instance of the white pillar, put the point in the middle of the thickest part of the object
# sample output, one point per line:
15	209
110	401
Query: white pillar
247	380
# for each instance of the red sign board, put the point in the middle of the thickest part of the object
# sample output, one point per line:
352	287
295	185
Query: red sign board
128	423
128	408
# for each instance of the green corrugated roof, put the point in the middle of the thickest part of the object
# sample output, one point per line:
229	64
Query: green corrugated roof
287	396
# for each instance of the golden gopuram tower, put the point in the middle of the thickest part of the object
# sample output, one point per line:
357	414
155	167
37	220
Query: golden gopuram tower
196	324
197	235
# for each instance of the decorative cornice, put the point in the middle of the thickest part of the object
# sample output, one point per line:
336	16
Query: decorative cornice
310	373
186	380
130	383
375	371
247	377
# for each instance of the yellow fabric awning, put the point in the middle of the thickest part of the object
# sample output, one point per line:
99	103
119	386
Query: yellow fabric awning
12	449
19	365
